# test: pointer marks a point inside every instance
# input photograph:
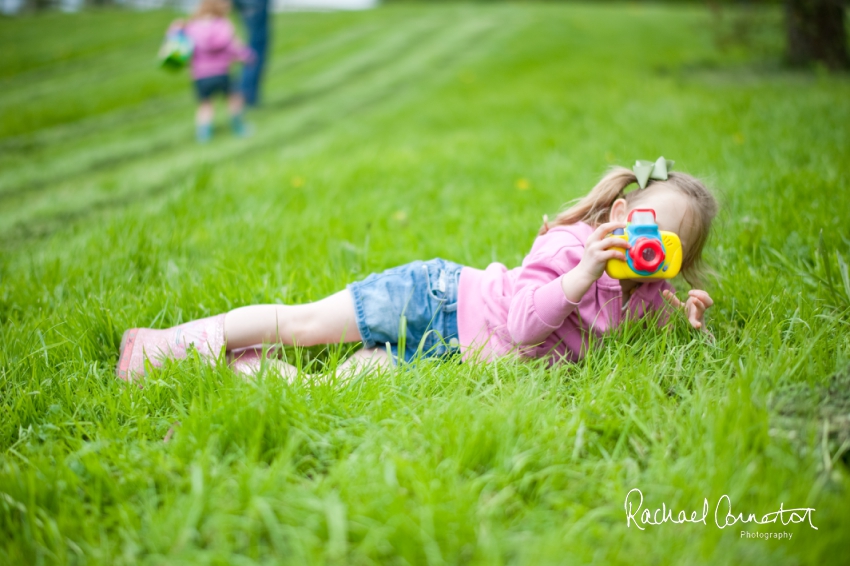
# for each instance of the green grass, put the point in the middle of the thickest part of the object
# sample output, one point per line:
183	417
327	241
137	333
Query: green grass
388	136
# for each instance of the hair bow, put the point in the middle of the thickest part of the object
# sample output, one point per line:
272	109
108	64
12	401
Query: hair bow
646	170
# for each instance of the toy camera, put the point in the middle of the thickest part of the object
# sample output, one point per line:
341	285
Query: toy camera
653	254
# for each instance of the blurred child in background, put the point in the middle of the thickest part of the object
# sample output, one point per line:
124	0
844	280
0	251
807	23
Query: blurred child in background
216	47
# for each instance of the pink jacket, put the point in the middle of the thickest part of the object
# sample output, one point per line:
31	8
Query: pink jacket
524	310
216	46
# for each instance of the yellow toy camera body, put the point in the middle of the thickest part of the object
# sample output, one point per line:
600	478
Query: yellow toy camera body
652	254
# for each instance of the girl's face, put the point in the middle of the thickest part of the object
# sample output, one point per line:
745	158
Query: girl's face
672	211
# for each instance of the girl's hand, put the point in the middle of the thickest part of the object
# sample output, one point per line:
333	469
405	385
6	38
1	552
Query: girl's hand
696	305
599	249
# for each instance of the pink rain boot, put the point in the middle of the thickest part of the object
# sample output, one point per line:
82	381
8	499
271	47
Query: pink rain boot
248	361
206	335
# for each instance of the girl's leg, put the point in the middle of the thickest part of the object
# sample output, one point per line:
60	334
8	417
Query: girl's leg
203	121
235	105
329	321
365	359
250	366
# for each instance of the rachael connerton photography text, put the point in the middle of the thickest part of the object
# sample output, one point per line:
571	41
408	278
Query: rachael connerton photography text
723	514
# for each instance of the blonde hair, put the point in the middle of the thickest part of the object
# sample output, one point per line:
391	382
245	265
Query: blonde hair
213	8
595	208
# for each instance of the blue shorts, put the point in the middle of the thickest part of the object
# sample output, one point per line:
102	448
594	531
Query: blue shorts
206	87
414	305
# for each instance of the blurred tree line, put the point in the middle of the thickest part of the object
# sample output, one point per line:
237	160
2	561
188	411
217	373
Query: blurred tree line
815	30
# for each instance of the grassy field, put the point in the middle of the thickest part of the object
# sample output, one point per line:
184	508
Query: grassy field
406	133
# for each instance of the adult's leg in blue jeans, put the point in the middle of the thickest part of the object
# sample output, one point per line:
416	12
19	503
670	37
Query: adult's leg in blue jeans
255	15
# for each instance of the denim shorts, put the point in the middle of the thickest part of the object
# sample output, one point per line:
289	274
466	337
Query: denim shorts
208	86
413	308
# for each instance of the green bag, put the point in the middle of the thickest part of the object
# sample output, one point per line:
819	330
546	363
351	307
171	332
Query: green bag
176	50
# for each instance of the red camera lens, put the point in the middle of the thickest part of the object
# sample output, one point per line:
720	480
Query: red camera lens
647	255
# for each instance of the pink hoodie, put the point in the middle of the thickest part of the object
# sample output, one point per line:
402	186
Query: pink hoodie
524	310
216	46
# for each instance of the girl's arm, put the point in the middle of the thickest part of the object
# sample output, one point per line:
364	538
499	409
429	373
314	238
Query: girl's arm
239	51
597	251
539	306
553	280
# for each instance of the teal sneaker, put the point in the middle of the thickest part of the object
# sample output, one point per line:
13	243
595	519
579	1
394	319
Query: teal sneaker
203	133
240	127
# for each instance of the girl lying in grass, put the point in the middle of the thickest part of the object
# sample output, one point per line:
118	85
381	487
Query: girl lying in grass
547	307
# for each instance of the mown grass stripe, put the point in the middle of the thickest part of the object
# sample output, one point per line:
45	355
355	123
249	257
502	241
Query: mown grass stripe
49	138
36	219
379	52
